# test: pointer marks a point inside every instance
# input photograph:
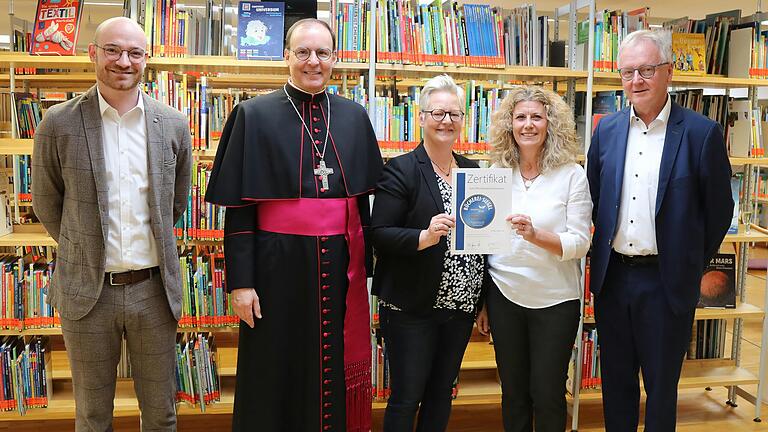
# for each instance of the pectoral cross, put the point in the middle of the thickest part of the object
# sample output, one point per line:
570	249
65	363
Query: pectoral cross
323	172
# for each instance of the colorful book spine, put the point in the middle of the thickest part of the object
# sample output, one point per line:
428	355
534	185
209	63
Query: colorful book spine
590	366
197	374
350	21
205	301
167	29
24	294
25	378
438	33
201	220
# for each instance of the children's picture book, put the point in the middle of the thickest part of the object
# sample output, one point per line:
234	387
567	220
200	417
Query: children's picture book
718	285
57	24
260	30
689	54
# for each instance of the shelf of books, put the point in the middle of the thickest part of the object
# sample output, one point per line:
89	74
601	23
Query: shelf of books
485	57
754	161
477	384
742	310
80	80
227	363
16	146
695	374
271	69
27	239
706	81
743	236
23	146
507	73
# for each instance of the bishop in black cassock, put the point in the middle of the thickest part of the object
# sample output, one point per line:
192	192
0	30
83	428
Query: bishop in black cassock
292	374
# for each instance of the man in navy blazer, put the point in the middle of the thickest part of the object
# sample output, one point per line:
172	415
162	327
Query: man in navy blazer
660	181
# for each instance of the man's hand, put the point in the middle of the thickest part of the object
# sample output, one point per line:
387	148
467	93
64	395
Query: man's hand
245	302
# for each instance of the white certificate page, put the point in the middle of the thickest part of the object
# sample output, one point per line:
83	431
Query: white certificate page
481	201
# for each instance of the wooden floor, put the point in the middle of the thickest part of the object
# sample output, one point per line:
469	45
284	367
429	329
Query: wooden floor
699	410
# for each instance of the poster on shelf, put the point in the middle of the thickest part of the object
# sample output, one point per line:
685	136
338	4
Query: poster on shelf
260	30
481	202
57	24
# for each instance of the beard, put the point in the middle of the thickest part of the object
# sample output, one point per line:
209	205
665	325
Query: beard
119	81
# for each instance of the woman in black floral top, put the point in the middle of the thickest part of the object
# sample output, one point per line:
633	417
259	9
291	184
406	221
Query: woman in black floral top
429	297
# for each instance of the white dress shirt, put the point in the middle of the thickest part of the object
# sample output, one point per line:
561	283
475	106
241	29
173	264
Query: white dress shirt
636	227
557	201
130	243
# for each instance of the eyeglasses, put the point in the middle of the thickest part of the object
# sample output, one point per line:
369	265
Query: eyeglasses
646	71
114	52
303	54
438	115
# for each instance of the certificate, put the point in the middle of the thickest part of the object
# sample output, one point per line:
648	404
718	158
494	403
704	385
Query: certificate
482	199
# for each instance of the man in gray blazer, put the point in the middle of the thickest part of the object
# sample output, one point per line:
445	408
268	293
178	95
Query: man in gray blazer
110	175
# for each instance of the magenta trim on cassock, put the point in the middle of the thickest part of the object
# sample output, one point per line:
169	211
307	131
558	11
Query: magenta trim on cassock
326	217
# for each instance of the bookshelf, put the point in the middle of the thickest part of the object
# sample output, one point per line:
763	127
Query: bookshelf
478	382
709	81
701	374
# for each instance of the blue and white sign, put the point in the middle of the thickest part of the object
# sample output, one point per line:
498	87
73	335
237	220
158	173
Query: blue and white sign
477	211
481	201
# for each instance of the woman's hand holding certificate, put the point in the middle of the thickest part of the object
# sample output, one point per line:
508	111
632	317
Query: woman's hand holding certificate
440	225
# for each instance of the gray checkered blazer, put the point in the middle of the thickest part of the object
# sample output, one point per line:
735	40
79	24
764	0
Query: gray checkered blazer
69	195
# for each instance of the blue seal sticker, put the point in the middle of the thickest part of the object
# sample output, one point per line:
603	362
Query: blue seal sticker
477	211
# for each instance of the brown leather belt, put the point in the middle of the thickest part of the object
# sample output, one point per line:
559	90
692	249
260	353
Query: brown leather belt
131	276
637	260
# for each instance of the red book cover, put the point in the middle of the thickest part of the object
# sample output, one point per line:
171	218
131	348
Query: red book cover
57	24
585	361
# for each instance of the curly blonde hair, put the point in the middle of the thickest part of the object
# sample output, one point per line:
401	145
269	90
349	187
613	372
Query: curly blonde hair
561	145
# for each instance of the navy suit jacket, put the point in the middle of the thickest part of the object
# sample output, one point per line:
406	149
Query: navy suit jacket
693	205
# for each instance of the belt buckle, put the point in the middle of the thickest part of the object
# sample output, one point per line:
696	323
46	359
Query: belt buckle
112	279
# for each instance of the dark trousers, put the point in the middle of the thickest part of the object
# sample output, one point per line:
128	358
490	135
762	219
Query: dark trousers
637	330
533	348
425	353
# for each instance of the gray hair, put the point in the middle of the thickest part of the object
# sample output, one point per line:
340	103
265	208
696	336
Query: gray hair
439	83
661	38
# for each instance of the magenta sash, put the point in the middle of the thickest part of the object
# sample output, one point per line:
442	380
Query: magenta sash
325	217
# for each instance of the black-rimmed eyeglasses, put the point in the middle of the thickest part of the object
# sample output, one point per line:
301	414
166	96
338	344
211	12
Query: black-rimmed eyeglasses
303	54
438	115
114	52
646	71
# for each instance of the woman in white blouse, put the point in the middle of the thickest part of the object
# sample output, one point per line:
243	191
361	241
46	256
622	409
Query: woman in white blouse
533	310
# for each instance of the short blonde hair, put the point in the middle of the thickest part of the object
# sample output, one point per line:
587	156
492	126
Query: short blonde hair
561	144
442	83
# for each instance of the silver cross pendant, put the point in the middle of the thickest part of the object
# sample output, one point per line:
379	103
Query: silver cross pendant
323	172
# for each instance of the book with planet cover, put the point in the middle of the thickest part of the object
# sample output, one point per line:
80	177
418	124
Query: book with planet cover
718	284
260	30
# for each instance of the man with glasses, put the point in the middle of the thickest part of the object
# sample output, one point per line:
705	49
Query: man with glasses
110	175
295	169
660	182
